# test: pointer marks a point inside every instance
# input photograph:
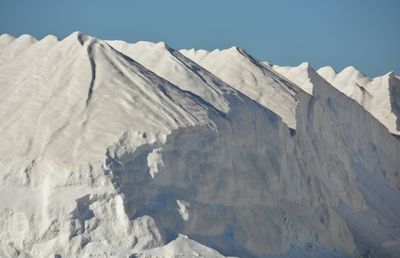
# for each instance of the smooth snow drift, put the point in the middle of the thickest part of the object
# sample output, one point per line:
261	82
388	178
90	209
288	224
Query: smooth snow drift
112	149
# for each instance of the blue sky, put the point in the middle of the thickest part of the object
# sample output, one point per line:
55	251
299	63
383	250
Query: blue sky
362	33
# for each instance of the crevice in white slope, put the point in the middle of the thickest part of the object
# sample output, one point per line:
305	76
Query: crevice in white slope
92	68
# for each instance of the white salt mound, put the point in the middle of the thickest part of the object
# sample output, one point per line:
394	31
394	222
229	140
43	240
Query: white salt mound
112	149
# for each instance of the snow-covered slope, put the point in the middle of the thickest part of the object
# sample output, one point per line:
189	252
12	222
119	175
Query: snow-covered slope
110	149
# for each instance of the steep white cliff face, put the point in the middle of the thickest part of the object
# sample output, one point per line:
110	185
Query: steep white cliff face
379	96
135	150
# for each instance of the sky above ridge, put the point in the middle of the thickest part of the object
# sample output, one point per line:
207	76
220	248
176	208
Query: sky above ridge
339	33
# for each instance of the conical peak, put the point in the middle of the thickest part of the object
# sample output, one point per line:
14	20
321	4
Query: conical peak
327	70
308	69
305	65
231	51
6	39
27	37
234	49
350	70
301	68
50	38
390	74
162	44
194	50
237	50
16	44
6	36
78	36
